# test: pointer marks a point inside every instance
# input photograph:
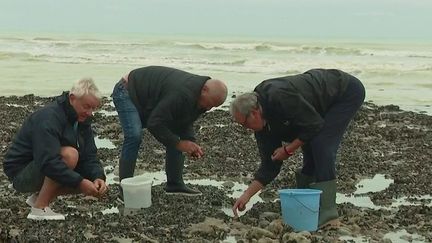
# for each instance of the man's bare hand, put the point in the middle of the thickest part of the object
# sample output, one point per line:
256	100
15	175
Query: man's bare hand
191	148
88	188
240	204
101	186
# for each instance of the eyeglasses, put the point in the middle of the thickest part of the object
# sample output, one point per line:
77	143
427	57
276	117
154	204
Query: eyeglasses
245	121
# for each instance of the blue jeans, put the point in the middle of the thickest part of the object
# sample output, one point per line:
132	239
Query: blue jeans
133	131
319	154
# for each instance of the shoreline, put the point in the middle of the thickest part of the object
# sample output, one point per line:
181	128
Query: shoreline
419	109
381	140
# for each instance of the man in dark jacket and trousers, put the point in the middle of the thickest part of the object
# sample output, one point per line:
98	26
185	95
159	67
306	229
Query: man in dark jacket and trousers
166	101
54	152
310	110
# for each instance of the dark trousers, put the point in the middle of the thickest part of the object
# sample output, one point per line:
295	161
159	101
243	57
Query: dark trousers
319	154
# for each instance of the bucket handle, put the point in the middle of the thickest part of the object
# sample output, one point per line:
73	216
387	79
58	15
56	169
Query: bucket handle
313	211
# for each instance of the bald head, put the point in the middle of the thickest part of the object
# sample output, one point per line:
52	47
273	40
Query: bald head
213	94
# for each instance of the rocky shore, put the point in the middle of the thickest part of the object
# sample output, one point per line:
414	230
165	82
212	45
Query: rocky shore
381	140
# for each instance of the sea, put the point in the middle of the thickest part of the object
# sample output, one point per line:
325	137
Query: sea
397	72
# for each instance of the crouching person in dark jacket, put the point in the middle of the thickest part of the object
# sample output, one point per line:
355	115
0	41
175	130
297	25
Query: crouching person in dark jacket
310	110
54	152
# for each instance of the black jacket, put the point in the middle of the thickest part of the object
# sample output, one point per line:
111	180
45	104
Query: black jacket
41	137
166	99
294	107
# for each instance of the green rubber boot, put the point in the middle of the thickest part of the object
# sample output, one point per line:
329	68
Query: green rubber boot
303	181
328	214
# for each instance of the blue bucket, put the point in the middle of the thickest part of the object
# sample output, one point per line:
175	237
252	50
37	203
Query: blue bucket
300	208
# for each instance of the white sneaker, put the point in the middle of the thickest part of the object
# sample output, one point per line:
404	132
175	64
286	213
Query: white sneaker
31	200
44	214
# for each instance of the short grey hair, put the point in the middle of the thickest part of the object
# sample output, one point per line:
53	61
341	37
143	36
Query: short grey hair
85	86
244	104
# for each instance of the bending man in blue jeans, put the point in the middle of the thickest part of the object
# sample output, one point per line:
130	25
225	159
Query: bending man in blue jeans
310	110
54	152
166	101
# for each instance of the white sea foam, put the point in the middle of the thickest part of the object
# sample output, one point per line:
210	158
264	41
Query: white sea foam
32	63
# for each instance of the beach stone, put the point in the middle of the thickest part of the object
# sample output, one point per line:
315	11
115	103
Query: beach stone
344	231
14	233
228	184
89	236
145	238
238	228
5	211
210	226
276	226
267	240
295	238
34	238
385	240
270	216
263	223
258	233
122	240
305	233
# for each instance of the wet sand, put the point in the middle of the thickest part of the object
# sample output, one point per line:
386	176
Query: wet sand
382	140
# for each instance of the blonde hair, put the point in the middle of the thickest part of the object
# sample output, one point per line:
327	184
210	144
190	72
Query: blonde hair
85	86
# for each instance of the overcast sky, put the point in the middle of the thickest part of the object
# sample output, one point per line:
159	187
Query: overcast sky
272	18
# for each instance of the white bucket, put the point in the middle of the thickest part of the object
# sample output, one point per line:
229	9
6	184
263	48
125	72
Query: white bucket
137	192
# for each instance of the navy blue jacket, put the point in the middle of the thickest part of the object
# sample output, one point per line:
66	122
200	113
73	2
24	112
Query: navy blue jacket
41	137
294	107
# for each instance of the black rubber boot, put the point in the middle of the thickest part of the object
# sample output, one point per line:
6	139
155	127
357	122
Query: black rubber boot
126	170
120	197
174	163
328	214
303	181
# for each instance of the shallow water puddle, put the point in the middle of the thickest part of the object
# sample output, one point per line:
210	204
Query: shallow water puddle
214	125
229	239
376	184
359	201
104	143
237	191
111	178
404	236
399	236
159	177
407	201
110	210
16	105
107	113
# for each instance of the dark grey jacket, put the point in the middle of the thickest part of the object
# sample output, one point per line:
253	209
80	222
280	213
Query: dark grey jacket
41	137
166	99
294	107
